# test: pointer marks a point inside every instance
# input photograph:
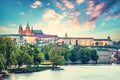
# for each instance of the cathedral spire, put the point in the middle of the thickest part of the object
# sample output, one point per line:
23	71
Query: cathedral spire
66	35
27	24
32	29
20	31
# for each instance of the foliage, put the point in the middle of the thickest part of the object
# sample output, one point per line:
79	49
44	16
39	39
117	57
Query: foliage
75	54
94	55
38	56
66	53
6	48
55	57
116	42
83	54
45	49
2	62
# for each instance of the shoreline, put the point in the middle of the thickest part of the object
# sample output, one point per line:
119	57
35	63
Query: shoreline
29	69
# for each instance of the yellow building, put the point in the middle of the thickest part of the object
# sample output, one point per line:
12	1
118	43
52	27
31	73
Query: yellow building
83	41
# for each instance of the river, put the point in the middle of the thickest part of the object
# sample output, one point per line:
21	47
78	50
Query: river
73	72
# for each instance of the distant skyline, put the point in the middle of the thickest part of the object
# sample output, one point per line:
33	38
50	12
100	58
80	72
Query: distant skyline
77	18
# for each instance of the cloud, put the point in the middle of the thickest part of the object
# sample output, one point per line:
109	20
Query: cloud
75	13
19	2
107	17
36	4
68	4
3	28
12	24
109	7
79	1
89	24
50	14
22	13
61	6
117	15
94	10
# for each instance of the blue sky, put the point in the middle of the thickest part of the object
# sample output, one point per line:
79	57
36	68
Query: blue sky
77	18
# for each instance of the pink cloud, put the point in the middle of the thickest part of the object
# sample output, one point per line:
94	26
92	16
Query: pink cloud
94	10
68	4
3	28
76	13
60	6
88	12
107	17
89	24
50	14
95	14
36	4
79	1
99	6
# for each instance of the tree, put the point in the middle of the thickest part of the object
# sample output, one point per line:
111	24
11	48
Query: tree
6	48
46	50
38	56
75	54
84	55
2	62
116	42
55	57
14	56
66	53
20	57
27	55
94	55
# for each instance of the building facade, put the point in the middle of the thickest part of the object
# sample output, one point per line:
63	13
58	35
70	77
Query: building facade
37	37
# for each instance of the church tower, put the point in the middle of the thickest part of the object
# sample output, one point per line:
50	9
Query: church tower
20	31
109	39
27	30
66	35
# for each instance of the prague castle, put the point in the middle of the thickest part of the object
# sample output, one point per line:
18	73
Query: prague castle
28	31
39	38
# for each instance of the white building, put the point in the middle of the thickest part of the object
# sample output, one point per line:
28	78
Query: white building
104	55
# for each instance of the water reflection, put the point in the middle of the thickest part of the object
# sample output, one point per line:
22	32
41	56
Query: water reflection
73	72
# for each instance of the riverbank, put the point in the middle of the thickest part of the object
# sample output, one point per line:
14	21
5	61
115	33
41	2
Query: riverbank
29	69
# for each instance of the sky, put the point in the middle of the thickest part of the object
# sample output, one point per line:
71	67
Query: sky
77	18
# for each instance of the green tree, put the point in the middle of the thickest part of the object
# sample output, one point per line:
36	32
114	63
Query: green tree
45	49
2	62
75	54
27	55
94	55
6	48
55	57
85	55
66	53
20	57
38	56
14	55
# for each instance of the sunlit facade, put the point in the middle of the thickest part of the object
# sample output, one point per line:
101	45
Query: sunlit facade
37	37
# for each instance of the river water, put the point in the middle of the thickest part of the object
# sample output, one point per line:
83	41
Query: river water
73	72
